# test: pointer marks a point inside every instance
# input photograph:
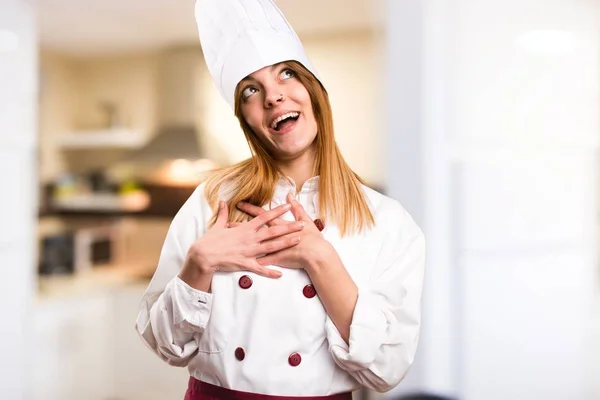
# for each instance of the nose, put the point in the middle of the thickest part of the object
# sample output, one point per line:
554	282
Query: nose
273	97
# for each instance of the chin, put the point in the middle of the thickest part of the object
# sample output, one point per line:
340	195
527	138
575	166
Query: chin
290	153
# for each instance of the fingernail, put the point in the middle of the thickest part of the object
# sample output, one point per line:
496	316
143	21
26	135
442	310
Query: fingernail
295	239
287	206
300	224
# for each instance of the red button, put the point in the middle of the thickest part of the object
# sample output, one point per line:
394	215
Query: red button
240	354
245	282
309	291
294	359
319	224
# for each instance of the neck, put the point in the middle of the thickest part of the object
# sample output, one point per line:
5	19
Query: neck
300	169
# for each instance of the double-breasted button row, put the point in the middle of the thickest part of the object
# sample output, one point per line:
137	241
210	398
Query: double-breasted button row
308	291
294	359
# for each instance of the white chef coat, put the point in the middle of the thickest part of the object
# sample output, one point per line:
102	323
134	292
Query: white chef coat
274	318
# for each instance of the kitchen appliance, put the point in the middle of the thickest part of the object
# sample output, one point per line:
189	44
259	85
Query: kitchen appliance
179	110
95	246
57	255
83	249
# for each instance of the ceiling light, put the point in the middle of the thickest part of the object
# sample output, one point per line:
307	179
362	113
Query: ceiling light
9	41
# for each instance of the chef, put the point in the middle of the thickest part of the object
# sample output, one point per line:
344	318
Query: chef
282	276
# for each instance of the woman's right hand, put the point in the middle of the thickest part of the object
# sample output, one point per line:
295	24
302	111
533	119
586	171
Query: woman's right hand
236	249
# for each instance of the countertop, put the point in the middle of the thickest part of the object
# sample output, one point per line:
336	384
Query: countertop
97	280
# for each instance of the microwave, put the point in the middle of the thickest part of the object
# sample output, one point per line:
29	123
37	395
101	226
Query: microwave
97	246
82	249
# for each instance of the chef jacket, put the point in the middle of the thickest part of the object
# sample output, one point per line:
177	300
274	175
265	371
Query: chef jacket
273	336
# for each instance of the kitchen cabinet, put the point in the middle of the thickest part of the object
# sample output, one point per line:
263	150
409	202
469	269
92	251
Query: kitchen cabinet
69	347
139	373
85	347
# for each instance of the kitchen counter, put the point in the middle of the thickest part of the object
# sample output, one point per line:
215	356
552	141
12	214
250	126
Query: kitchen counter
100	279
84	343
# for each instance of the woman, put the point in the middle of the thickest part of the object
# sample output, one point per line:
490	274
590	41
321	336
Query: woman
282	276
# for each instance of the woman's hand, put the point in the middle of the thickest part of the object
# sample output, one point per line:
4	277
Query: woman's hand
237	249
311	247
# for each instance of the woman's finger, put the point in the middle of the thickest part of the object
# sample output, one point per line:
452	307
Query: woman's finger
236	224
269	259
279	230
275	245
263	271
268	216
255	211
297	209
251	209
223	215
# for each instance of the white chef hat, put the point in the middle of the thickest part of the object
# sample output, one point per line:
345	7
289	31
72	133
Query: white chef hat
239	37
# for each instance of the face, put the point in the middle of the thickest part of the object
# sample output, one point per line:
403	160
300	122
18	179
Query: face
278	109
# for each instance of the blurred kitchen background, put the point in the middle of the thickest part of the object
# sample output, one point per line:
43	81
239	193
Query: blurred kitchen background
481	117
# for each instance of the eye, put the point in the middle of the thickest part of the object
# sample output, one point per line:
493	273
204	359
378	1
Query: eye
287	74
249	91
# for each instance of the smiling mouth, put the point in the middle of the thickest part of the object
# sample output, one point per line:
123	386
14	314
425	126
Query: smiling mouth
283	121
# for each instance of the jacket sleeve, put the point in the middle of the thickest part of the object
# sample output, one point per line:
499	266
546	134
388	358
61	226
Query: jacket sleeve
172	314
385	325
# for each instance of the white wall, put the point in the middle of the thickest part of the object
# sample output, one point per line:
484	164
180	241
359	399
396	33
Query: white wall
58	97
71	96
129	81
497	160
18	116
350	66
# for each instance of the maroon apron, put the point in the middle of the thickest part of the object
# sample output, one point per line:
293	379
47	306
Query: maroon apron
198	390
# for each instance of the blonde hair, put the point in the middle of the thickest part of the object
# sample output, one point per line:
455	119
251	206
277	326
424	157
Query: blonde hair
341	198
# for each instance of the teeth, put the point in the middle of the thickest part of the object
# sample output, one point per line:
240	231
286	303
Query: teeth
282	117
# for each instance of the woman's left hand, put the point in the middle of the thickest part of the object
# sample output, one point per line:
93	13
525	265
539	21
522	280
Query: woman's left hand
312	245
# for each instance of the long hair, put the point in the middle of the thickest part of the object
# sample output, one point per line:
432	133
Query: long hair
341	198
